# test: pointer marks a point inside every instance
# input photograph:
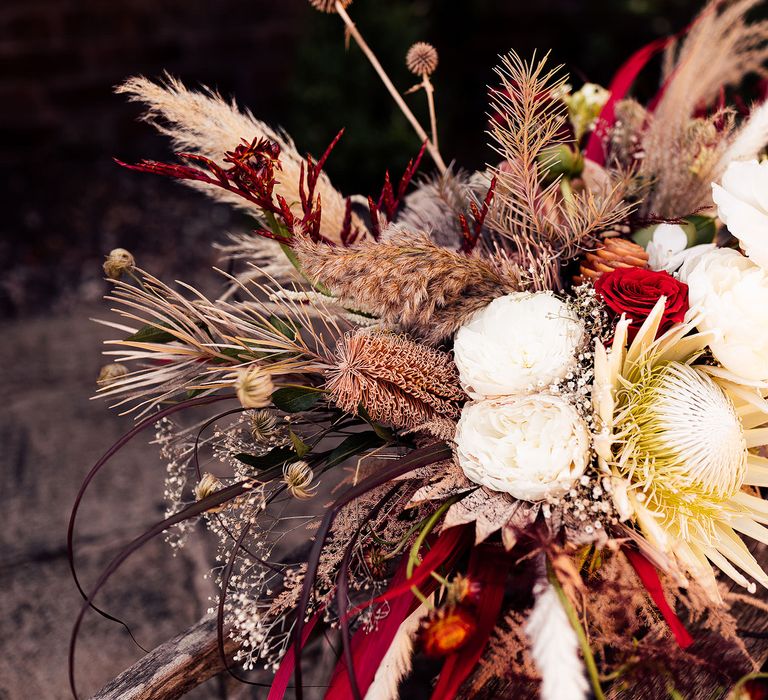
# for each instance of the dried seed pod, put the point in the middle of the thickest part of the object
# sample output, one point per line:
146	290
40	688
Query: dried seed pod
118	261
111	373
611	253
421	59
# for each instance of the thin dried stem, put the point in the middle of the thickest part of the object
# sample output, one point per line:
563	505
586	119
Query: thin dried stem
417	127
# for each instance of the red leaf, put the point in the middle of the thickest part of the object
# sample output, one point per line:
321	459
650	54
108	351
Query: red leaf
284	673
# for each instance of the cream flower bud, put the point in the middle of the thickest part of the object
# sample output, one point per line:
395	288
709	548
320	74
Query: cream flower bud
111	373
531	446
118	261
728	295
742	205
254	386
517	343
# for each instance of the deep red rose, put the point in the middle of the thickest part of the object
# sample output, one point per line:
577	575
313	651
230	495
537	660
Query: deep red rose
634	292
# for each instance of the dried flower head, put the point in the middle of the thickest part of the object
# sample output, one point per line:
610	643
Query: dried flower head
111	373
254	386
446	631
421	59
297	476
329	5
118	261
207	486
399	382
263	426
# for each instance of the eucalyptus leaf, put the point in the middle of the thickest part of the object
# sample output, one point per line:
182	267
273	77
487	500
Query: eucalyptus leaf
299	445
295	399
276	457
352	445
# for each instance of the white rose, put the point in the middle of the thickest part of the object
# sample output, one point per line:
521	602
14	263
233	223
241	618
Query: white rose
531	446
517	343
729	293
742	205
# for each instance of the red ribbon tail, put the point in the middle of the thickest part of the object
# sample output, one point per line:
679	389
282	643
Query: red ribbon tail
284	673
650	579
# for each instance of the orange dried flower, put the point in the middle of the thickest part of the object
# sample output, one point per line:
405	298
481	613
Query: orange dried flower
446	631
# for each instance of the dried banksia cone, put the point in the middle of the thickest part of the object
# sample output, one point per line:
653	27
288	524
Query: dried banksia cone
397	381
421	59
612	253
329	5
406	280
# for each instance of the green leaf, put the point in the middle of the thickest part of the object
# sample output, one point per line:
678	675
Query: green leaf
384	433
299	445
353	445
700	229
295	399
276	457
152	334
282	327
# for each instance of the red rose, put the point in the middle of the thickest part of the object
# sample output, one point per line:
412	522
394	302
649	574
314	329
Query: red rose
634	292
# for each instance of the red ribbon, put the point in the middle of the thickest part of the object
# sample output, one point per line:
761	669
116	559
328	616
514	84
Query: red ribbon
650	579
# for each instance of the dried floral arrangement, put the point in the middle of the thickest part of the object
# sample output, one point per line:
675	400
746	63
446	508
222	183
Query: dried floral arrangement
538	391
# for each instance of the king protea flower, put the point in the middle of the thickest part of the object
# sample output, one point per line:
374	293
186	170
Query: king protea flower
676	437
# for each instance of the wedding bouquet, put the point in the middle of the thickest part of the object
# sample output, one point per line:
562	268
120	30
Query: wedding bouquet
517	416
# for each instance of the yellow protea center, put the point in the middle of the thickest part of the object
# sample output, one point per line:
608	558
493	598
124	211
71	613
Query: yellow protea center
683	444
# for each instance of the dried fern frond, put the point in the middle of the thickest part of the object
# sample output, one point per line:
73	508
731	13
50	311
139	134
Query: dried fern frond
541	221
408	281
397	381
720	49
204	123
180	344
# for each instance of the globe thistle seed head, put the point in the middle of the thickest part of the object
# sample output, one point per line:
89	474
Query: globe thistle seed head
421	59
329	6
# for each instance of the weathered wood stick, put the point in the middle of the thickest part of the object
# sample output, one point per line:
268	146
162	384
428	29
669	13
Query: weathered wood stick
173	668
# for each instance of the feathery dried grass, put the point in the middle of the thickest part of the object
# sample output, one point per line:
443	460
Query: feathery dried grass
397	381
205	124
682	156
540	221
409	282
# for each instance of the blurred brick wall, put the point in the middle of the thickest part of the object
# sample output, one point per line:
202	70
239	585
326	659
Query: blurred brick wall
65	203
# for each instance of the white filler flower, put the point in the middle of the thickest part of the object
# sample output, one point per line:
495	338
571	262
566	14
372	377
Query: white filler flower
531	446
518	343
742	205
728	295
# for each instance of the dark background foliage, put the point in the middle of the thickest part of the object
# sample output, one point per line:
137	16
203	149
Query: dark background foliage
66	203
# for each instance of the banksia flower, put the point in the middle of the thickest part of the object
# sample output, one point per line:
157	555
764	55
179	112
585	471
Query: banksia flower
118	261
297	476
110	373
421	59
446	631
408	281
254	386
329	5
611	253
397	381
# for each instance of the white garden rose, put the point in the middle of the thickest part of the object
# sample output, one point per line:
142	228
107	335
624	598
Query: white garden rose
729	293
518	343
531	446
742	205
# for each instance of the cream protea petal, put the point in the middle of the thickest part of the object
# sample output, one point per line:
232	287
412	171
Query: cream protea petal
757	471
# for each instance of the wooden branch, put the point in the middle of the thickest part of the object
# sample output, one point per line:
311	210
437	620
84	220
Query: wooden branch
173	668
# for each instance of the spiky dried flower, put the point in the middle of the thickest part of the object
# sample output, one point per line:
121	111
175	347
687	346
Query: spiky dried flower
408	281
397	381
117	262
421	59
111	373
254	386
329	6
208	485
263	424
297	476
